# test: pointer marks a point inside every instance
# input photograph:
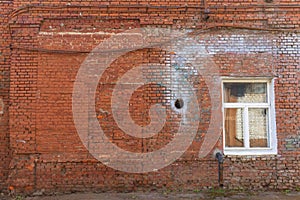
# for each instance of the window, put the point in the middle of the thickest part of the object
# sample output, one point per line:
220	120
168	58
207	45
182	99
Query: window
248	117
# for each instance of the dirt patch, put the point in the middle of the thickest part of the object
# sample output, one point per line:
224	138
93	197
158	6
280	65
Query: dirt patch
216	195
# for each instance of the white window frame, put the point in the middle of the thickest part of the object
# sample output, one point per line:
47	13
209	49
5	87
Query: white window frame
247	150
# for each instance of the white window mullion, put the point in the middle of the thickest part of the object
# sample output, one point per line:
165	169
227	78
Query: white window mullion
272	118
268	93
246	129
269	127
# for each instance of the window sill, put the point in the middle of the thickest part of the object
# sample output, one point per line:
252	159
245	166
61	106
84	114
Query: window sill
249	152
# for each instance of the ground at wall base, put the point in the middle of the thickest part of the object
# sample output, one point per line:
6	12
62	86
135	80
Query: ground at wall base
213	194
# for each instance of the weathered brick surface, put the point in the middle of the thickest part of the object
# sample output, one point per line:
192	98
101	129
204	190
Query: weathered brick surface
44	45
5	8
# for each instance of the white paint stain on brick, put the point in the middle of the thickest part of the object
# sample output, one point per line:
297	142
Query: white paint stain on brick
84	33
241	43
1	106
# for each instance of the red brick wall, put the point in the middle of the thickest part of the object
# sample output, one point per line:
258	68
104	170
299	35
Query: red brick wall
251	38
5	7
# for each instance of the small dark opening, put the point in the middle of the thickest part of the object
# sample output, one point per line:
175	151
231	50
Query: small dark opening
179	103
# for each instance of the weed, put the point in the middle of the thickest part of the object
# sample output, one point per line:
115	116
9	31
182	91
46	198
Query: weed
166	192
286	191
197	191
217	192
18	197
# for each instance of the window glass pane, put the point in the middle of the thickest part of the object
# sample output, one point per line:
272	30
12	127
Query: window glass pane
245	92
258	127
234	135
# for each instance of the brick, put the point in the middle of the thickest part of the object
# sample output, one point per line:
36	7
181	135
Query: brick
45	44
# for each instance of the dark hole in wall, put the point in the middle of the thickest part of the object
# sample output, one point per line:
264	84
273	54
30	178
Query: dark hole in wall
179	103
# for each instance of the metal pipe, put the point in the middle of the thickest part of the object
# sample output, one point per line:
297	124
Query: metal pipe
220	158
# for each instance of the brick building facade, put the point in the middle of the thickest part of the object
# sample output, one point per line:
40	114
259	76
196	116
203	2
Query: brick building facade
251	54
